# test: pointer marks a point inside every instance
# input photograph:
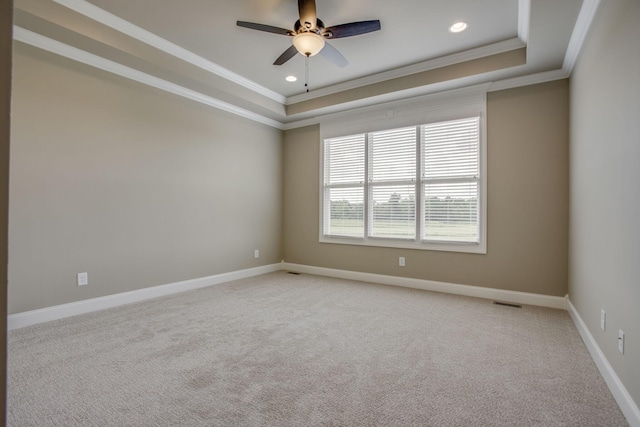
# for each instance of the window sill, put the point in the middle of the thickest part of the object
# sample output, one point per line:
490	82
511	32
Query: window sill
474	248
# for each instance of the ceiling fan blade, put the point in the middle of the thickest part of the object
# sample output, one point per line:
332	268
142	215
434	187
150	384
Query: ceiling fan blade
332	54
308	15
351	29
266	28
286	55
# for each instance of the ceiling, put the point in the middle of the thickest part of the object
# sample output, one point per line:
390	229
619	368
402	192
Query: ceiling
193	48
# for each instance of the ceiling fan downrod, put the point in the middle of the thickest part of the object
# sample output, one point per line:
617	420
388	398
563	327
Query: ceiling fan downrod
306	72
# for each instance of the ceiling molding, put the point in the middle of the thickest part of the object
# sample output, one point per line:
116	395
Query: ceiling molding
528	80
75	54
100	15
385	103
580	31
440	89
524	18
579	34
91	11
469	55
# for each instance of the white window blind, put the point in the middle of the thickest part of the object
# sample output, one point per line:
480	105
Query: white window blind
344	176
417	187
392	183
450	180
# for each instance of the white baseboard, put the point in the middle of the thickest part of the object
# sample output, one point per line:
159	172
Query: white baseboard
619	391
27	318
430	285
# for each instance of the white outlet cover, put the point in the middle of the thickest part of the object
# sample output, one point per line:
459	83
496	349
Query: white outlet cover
621	341
83	279
603	319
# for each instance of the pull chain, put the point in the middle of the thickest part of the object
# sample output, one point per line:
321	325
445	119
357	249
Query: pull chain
306	72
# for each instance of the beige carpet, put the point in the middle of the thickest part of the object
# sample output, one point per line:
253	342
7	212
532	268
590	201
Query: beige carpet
287	350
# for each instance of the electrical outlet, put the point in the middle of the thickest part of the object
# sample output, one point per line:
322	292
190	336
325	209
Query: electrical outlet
603	319
83	279
620	341
401	262
256	253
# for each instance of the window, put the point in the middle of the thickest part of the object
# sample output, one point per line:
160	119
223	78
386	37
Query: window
416	187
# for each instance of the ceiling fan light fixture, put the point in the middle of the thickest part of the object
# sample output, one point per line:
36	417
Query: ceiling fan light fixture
308	44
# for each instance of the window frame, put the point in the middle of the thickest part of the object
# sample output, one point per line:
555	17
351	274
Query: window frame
417	113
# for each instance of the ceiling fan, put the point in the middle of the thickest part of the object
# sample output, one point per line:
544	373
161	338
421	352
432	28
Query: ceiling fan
309	34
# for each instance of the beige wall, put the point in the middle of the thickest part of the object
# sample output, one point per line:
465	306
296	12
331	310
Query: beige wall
527	203
605	185
135	186
6	16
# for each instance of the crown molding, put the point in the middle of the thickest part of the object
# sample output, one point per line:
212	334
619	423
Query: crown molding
528	80
91	11
581	29
579	34
583	23
100	15
389	100
445	88
29	37
492	49
524	18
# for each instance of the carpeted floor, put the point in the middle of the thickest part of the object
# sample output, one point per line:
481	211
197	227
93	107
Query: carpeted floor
288	350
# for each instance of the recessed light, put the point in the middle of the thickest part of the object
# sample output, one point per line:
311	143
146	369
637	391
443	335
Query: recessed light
458	26
291	78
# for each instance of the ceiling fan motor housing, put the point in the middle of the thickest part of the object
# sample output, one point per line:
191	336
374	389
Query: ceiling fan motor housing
299	28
